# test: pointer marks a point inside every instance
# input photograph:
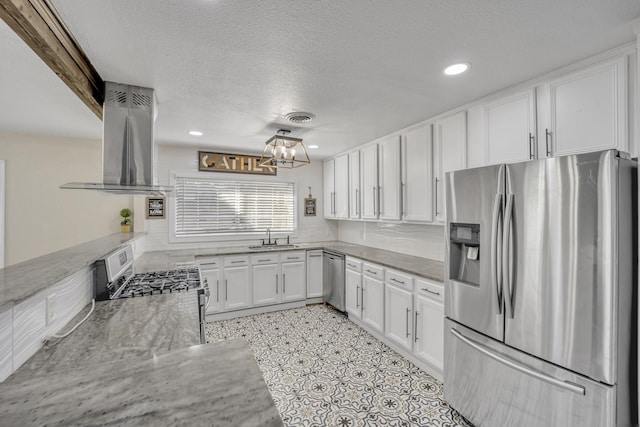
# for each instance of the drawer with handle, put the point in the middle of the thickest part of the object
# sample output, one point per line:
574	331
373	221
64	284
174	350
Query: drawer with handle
353	264
398	278
236	261
373	270
433	290
265	259
208	263
291	256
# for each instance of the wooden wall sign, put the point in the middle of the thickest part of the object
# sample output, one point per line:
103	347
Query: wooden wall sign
155	207
227	162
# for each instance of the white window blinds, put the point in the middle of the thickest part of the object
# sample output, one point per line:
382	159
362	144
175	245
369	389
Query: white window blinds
209	207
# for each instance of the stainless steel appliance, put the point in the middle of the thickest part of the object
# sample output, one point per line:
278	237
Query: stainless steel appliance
128	146
541	292
333	279
114	278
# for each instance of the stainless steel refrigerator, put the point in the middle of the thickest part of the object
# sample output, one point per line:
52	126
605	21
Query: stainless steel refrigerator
541	292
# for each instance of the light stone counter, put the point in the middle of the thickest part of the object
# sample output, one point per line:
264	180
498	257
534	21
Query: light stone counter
423	267
20	281
216	384
120	330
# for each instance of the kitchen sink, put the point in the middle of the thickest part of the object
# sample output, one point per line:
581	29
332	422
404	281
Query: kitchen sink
271	247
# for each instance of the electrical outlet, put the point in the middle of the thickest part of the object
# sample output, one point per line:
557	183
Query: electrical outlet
51	308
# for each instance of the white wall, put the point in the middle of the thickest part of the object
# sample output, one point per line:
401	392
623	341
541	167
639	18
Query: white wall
425	241
185	159
40	217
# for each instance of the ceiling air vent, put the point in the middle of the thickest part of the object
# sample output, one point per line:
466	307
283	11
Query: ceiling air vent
299	117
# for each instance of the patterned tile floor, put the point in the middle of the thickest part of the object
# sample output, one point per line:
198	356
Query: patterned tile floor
323	370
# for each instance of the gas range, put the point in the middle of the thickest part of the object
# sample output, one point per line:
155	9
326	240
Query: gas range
114	278
159	282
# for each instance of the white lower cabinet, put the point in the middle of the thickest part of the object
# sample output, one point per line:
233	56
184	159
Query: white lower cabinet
373	302
213	279
404	311
6	344
314	274
353	292
398	309
265	284
429	321
294	282
237	282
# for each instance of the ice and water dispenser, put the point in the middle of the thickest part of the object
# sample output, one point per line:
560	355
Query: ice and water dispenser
464	256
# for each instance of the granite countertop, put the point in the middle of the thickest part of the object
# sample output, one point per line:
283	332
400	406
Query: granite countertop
118	330
212	384
423	267
20	281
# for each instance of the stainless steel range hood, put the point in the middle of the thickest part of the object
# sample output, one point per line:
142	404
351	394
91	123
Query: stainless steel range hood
128	148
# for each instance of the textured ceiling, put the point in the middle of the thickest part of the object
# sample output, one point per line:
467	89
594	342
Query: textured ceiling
233	69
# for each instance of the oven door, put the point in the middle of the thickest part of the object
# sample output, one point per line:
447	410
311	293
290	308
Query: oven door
203	302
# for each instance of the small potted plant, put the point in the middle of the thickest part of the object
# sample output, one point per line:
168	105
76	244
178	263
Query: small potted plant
125	224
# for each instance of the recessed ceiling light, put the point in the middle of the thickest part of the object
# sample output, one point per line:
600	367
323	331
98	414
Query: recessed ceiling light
313	146
454	69
195	133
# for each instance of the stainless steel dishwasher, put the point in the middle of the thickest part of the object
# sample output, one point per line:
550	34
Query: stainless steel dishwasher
333	279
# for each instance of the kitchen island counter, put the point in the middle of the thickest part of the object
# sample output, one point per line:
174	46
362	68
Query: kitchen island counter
172	259
120	330
211	384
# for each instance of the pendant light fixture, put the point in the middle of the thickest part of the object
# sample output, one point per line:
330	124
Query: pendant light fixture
282	151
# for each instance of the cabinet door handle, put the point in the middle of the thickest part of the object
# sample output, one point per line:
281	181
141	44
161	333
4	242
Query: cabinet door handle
369	271
407	322
284	284
314	255
208	263
404	199
333	195
357	203
357	296
430	291
397	281
374	200
531	152
276	284
351	265
380	202
226	294
218	290
264	260
436	198
362	298
237	262
415	328
547	139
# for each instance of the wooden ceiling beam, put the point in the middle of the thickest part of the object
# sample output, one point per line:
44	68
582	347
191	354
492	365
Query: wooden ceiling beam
39	25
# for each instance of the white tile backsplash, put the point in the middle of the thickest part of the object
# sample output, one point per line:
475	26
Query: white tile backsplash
421	240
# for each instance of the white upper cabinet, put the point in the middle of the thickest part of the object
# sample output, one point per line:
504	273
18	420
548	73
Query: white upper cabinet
369	182
354	185
417	174
586	111
329	183
510	127
449	154
341	189
389	179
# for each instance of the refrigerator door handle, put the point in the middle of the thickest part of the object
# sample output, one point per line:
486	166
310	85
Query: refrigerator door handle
575	388
508	256
496	251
